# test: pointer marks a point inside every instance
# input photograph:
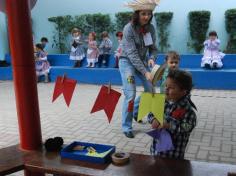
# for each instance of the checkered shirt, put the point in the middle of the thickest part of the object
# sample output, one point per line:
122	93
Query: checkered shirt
180	127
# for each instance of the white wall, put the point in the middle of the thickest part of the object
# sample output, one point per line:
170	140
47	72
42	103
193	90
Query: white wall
3	36
179	28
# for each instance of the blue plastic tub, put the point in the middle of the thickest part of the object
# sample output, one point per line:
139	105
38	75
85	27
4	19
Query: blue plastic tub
103	152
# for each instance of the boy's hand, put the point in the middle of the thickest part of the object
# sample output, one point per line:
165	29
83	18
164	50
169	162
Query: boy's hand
165	125
155	124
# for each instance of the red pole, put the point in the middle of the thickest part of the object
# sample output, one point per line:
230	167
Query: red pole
21	45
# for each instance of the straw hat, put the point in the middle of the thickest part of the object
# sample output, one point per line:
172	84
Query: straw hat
157	72
143	4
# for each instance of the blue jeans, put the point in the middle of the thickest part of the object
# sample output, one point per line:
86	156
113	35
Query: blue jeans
131	104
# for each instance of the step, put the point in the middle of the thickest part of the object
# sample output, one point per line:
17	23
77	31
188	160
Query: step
187	60
224	79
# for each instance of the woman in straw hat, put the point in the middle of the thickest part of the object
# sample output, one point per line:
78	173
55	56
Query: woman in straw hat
138	53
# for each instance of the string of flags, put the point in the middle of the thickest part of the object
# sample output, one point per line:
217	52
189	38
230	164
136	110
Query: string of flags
108	98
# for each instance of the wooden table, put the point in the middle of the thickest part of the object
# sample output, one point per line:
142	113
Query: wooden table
12	159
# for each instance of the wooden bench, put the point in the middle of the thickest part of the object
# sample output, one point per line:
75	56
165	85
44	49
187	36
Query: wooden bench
12	159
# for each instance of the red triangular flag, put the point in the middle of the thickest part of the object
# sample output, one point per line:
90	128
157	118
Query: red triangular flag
66	86
106	101
69	88
58	89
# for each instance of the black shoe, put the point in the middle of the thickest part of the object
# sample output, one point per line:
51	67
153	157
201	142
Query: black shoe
207	66
215	65
136	120
129	134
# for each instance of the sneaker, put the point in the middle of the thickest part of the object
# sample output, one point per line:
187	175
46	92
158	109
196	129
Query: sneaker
136	120
129	134
215	65
207	66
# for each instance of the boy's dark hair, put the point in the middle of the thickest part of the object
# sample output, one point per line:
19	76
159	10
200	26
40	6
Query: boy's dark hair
172	54
39	45
135	18
182	78
213	33
44	39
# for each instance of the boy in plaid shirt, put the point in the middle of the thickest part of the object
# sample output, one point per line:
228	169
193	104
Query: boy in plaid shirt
179	114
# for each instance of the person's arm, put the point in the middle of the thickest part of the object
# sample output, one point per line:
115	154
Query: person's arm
130	49
101	45
94	45
153	47
185	125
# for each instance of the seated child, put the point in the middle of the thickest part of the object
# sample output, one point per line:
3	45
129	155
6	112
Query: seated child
92	52
212	57
44	42
105	50
41	63
77	49
119	36
179	114
172	60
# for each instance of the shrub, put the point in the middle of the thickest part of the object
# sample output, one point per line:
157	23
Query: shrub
122	18
230	24
198	26
163	20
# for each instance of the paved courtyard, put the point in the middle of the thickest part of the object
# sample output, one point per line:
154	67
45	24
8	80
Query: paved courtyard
213	140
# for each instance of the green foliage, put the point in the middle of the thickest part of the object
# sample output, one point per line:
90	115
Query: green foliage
94	23
230	23
198	26
63	25
163	20
86	22
122	18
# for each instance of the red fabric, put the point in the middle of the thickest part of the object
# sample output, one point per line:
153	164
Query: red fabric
178	113
106	101
65	87
131	106
142	30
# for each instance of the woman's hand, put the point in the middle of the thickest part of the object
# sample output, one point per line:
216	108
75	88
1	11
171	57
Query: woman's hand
151	63
148	76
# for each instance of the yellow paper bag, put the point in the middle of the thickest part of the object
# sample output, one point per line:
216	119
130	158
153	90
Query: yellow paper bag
152	103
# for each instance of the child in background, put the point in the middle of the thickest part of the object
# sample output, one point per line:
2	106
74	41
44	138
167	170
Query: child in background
212	57
119	36
105	50
172	60
179	114
44	42
92	52
41	63
77	50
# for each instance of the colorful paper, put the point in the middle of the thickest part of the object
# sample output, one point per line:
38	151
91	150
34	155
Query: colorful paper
107	101
64	86
163	138
152	103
